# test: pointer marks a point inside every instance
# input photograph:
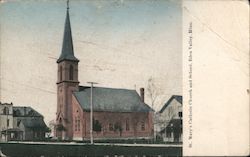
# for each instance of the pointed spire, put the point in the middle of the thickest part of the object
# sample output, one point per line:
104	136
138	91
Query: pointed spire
67	47
67	4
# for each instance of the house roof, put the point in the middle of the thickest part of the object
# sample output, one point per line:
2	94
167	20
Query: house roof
111	100
6	103
173	97
23	111
67	48
32	122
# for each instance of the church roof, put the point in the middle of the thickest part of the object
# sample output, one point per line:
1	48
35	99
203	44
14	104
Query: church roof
173	97
111	100
67	47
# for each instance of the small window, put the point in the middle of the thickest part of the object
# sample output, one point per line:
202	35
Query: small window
31	113
6	111
17	112
76	124
180	114
127	125
8	122
71	72
60	73
111	128
168	133
142	126
18	123
12	135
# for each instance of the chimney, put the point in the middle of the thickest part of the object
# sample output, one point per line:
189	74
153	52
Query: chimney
142	94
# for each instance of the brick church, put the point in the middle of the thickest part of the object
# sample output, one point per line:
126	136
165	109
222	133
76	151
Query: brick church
117	113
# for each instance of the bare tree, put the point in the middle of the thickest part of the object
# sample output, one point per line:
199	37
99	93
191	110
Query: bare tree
52	126
170	113
152	91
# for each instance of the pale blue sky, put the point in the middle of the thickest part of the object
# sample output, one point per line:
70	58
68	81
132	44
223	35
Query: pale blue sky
120	44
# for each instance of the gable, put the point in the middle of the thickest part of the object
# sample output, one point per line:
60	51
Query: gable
172	110
174	99
111	100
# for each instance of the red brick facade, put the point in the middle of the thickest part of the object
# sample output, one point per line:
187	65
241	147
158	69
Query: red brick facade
66	84
113	124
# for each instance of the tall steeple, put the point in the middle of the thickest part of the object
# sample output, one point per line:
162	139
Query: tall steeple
67	83
67	47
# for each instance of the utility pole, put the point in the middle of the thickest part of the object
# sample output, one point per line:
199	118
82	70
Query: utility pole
7	124
91	111
6	132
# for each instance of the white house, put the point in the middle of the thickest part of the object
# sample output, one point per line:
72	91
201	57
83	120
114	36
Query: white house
169	120
20	123
6	119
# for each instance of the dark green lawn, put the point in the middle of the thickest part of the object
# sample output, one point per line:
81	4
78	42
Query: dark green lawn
79	150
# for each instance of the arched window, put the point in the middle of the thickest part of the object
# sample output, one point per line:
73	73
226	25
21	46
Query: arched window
127	124
71	72
6	111
60	73
77	123
142	125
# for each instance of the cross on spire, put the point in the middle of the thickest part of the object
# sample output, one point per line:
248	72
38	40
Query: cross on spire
67	4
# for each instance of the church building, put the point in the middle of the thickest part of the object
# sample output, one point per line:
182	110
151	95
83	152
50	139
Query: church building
117	113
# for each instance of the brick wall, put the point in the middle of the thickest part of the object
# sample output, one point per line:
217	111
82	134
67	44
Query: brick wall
113	124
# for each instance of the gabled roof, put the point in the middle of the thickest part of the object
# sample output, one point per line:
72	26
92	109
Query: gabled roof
23	111
10	104
33	123
111	100
173	97
29	117
67	48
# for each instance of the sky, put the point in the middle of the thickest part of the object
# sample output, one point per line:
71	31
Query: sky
120	44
